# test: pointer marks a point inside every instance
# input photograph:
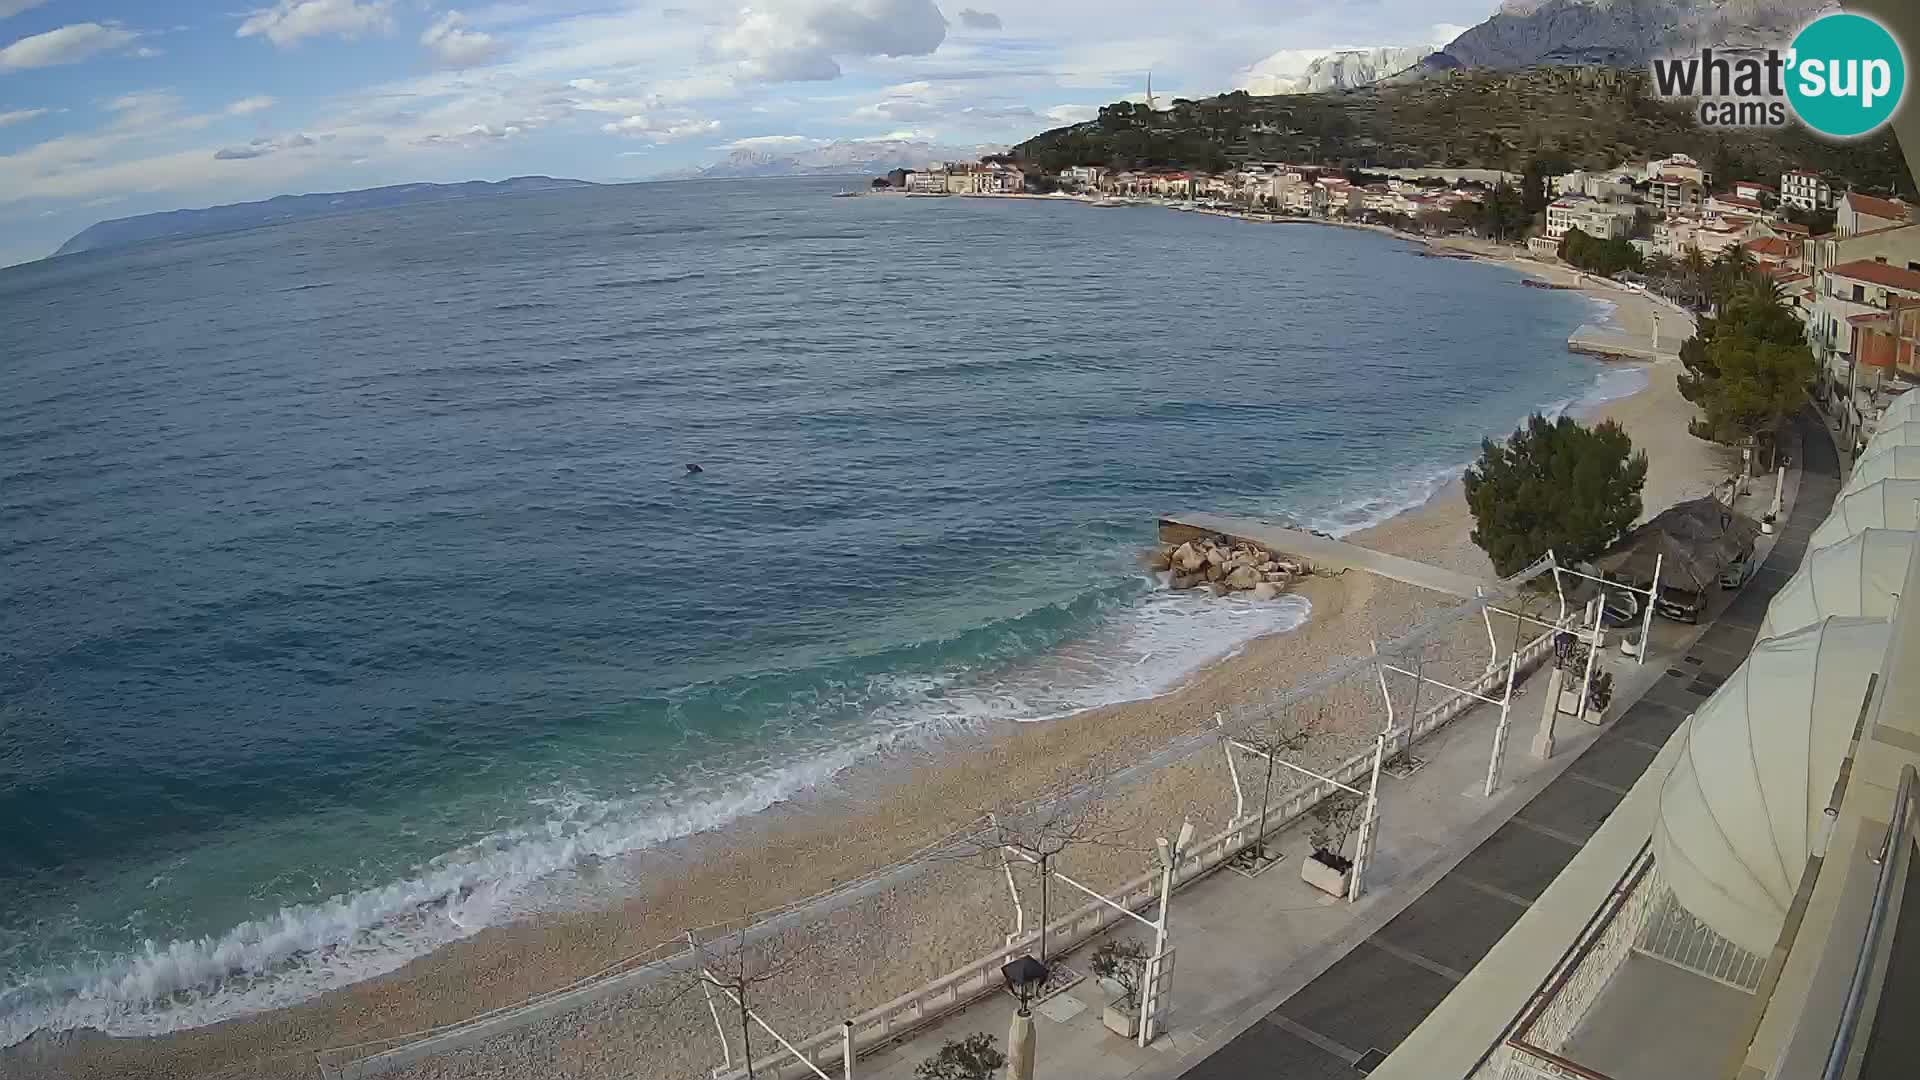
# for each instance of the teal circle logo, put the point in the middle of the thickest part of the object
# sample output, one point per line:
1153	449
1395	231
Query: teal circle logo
1846	75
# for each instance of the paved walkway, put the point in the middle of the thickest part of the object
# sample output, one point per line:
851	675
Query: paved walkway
1348	1019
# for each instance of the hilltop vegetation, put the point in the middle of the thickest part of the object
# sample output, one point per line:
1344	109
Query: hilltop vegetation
1590	117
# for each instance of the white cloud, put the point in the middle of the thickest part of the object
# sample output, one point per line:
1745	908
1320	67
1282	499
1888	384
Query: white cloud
1444	33
979	20
771	142
290	21
478	134
18	116
805	40
66	45
143	108
263	147
10	8
659	130
146	52
455	46
250	105
1072	114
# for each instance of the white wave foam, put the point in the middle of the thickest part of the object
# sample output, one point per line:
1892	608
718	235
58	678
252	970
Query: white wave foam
304	950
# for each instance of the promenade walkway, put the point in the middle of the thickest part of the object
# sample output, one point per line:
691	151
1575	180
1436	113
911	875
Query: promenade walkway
1277	980
1352	1015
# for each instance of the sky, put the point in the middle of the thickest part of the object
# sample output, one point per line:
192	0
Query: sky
110	108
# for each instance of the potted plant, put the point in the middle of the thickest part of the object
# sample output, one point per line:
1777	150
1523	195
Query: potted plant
1124	964
1333	821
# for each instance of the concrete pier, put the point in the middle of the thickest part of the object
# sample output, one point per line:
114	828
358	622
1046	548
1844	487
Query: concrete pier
1324	552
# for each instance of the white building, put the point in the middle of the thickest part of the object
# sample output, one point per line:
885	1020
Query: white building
1805	190
1604	220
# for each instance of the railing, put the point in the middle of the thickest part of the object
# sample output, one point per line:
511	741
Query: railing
1892	851
938	998
980	977
1529	1049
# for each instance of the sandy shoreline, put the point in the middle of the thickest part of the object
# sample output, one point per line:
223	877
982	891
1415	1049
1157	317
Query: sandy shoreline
899	937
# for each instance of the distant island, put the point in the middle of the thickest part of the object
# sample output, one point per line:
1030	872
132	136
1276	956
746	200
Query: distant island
281	209
847	157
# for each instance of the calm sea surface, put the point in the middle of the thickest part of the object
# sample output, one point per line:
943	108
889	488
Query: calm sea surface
356	595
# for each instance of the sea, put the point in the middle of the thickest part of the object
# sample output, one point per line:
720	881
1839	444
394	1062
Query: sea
357	595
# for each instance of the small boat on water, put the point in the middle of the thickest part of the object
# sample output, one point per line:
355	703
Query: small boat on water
845	194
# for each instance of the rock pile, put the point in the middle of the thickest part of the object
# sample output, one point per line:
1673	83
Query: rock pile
1223	566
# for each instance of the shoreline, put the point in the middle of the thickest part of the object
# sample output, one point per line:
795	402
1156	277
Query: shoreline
891	805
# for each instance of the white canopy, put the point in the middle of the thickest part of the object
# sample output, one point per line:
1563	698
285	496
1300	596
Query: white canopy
1742	808
1892	463
1884	504
1897	434
1858	576
1901	410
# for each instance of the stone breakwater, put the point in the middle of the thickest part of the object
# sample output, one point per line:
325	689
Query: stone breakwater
1222	566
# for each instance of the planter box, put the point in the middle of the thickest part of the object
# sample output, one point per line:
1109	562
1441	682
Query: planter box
1331	880
1121	1019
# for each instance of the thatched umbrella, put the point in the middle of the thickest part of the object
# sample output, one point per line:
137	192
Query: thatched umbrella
1693	541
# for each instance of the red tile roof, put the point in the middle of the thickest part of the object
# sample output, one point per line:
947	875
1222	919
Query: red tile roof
1770	245
1878	207
1735	200
1881	274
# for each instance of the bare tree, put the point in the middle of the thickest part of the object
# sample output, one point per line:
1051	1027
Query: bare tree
736	965
1039	832
1269	736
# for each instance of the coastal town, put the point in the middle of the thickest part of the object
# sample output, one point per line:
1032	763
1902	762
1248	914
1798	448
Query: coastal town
1845	262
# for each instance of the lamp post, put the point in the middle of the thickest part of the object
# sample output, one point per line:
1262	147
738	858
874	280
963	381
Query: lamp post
1025	976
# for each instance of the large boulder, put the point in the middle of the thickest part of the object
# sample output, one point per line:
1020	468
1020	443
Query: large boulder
1216	572
1186	581
1266	590
1217	556
1245	577
1159	559
1189	558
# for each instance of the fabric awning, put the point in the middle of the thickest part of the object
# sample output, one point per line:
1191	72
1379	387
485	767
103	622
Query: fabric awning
1744	805
1884	504
1891	463
1859	576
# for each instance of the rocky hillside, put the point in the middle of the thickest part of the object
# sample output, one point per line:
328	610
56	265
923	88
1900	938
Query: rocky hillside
1620	33
1342	69
1592	117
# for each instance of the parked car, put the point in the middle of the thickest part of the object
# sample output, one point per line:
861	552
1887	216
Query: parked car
1737	571
1680	605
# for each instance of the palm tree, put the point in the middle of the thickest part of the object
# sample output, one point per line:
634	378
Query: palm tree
1733	266
1695	268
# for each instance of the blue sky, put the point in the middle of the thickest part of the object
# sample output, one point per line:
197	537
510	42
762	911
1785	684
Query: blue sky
114	107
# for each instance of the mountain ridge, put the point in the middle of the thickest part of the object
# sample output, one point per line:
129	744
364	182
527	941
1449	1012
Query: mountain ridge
283	209
844	157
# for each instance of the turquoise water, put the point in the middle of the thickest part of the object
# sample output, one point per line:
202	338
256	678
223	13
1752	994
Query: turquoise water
357	595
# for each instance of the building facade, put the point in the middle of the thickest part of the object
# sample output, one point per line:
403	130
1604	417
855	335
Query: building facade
1805	190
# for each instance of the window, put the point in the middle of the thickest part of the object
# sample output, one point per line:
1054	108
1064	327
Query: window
1860	294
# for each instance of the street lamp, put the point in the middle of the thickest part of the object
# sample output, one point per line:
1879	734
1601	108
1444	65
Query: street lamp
1025	976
